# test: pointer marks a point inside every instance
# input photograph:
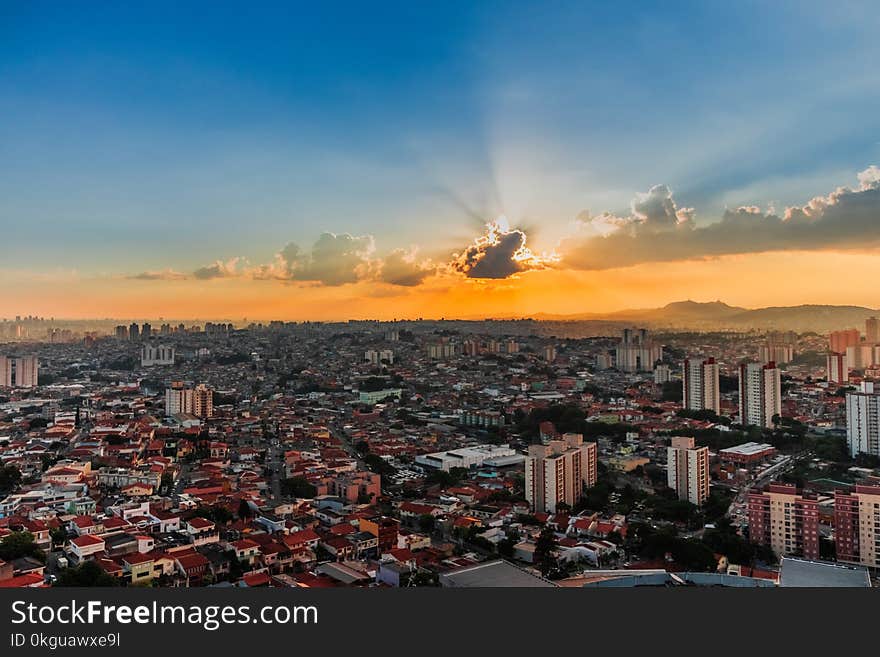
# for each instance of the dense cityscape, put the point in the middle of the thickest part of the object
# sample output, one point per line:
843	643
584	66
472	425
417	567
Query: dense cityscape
436	453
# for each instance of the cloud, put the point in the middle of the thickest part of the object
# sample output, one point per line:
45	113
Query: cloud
219	269
163	275
659	231
403	268
500	253
333	260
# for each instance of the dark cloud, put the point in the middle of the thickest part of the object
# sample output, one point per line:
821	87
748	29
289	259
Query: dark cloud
845	219
500	253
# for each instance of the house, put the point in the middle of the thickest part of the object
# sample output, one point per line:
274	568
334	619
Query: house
191	565
139	567
201	531
85	546
305	538
31	580
394	573
246	551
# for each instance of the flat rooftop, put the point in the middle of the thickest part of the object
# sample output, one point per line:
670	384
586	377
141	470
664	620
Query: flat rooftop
747	449
493	574
804	573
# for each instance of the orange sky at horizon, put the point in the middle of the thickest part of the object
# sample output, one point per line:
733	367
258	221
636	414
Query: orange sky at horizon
753	280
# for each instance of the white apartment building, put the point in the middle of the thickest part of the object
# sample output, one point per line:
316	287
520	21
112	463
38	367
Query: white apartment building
21	372
156	355
687	469
760	394
863	420
700	389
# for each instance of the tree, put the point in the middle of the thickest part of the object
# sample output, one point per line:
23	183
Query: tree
245	510
59	535
87	574
298	487
10	477
505	547
545	548
20	544
426	523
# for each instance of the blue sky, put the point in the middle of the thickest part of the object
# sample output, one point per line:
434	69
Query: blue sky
167	136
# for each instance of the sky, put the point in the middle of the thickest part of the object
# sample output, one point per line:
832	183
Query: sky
456	159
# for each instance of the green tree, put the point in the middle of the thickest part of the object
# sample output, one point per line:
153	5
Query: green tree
87	574
298	487
245	510
20	544
545	547
10	478
426	523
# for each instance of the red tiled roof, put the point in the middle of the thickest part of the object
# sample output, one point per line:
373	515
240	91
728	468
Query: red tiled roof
87	540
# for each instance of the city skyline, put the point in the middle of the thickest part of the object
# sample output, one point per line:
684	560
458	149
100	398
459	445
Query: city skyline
461	161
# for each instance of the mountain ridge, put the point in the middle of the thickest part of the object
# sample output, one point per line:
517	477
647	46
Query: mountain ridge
717	314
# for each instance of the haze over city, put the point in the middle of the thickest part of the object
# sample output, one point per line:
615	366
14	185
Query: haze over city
477	160
301	296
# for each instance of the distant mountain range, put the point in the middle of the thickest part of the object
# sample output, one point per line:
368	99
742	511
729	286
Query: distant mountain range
719	315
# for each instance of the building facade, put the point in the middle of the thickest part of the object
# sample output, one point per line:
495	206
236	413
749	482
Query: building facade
700	389
557	473
863	420
857	525
687	469
836	370
637	352
21	372
786	520
760	394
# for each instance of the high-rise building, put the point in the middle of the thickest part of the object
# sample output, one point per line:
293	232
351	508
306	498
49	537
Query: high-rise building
203	401
637	352
26	372
872	330
156	355
121	332
687	469
198	401
134	331
700	389
838	341
176	398
863	420
836	370
557	473
662	374
760	394
549	353
857	525
775	353
21	372
470	348
441	350
859	356
786	520
146	330
379	356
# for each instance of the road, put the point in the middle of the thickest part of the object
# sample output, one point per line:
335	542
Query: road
338	432
741	499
